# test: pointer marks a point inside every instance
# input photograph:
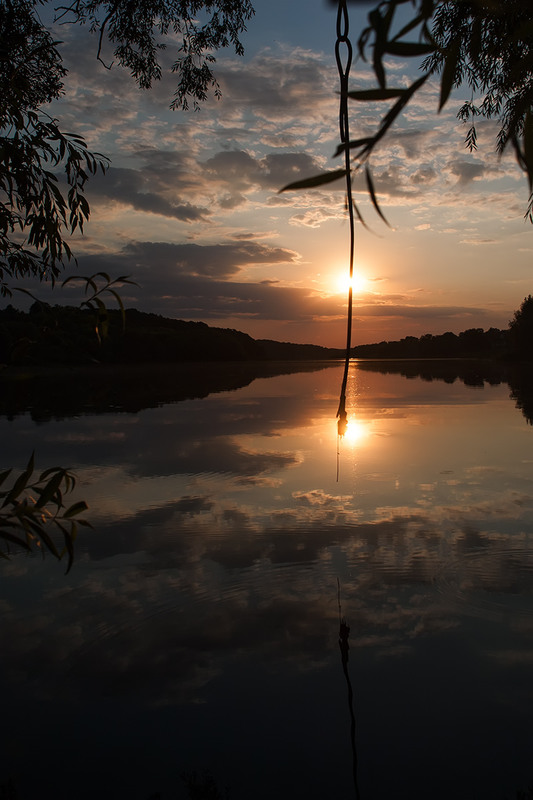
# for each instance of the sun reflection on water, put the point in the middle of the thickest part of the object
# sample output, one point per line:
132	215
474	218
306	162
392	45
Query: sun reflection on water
355	431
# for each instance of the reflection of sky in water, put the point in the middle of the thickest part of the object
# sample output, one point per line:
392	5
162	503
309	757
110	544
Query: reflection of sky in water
199	625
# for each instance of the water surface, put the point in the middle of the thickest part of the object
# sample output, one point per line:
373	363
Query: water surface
199	626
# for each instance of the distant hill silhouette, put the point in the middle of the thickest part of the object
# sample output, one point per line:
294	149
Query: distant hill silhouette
283	351
66	335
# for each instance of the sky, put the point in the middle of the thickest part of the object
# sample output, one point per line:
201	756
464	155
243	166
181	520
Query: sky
190	207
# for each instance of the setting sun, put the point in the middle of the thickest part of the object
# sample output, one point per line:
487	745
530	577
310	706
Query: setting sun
359	283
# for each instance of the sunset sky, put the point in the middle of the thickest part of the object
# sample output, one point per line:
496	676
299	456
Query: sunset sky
190	206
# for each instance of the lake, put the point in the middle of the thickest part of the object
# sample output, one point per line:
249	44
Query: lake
200	642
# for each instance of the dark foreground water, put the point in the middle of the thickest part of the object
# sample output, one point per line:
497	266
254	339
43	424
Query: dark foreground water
198	630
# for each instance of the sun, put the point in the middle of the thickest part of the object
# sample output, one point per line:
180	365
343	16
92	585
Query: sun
359	282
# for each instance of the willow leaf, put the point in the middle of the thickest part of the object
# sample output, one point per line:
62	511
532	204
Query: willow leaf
69	546
77	508
408	49
317	180
372	193
21	483
11	537
365	143
359	215
528	147
4	475
369	95
39	531
50	490
448	73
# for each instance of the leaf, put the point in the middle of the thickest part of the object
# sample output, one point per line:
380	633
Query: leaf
400	104
21	483
69	546
50	471
528	147
4	475
372	193
378	66
380	26
409	49
103	275
72	278
359	215
125	279
25	291
448	73
74	509
370	95
529	212
369	143
51	488
10	537
39	529
99	302
411	25
364	143
118	298
317	180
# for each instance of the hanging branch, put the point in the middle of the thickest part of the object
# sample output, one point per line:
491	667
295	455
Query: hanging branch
343	66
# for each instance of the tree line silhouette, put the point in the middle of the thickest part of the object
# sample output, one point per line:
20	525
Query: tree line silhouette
66	335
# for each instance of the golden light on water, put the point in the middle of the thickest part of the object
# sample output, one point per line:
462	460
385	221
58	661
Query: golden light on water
355	431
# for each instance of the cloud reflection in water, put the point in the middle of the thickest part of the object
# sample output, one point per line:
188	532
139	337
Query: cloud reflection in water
209	583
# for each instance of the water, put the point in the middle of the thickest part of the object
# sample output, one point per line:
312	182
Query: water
199	627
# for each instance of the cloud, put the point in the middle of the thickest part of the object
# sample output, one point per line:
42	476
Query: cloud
424	175
127	186
315	217
281	85
242	172
476	240
415	312
414	142
236	167
466	171
199	282
161	263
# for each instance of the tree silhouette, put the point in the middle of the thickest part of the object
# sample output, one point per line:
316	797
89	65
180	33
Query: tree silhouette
521	330
36	215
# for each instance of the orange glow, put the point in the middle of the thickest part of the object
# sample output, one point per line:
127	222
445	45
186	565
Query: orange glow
359	283
355	431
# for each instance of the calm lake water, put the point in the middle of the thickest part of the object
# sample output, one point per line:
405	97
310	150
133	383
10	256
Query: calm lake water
199	627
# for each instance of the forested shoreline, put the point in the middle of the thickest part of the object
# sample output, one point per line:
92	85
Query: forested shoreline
47	335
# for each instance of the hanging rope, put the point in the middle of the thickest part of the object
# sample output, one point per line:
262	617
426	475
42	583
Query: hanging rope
343	57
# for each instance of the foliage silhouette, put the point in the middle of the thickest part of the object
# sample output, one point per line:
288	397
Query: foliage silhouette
202	786
43	170
65	335
472	343
36	211
32	510
486	45
194	28
521	330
